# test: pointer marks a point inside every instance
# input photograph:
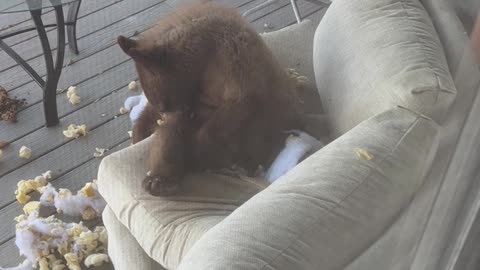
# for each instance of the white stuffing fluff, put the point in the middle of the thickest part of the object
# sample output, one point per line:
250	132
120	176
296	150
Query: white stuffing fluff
297	145
37	237
135	104
28	234
69	204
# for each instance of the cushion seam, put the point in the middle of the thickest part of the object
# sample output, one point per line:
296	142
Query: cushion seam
430	66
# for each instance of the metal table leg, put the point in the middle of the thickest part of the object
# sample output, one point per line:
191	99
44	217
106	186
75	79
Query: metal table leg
72	26
53	71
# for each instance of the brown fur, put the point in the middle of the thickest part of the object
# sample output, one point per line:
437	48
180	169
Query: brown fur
223	97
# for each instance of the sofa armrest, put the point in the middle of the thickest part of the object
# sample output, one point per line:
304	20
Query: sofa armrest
371	55
331	207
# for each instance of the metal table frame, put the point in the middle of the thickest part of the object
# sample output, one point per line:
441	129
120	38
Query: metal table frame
54	71
292	2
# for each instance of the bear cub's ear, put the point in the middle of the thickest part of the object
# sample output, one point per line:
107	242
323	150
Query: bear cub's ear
129	46
143	50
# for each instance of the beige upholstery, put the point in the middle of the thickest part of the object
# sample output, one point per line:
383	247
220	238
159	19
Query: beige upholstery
167	227
124	251
371	55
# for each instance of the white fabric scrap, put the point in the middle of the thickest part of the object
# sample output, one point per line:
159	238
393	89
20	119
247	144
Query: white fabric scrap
135	104
297	145
69	204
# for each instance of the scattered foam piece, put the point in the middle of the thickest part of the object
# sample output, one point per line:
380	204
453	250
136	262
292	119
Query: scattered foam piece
132	85
72	90
72	96
74	131
31	206
88	190
99	152
22	198
27	186
130	133
74	99
72	261
123	110
25	152
362	153
47	174
96	259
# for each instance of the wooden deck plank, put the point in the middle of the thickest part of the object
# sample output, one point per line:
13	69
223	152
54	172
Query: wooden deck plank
16	77
29	39
71	154
102	44
45	139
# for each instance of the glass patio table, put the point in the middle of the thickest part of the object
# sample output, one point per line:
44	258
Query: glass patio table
54	70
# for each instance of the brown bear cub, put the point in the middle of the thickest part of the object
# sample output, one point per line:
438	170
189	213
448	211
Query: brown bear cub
216	95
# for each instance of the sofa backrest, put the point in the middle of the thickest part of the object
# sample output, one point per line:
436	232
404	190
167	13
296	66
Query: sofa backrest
372	55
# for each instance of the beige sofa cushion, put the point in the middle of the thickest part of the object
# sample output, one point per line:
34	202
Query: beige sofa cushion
167	227
293	47
371	55
329	208
124	251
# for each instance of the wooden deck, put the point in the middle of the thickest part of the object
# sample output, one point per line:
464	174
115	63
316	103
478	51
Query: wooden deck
101	73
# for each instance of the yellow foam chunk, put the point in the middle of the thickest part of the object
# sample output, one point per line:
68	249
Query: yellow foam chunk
22	197
362	153
25	152
87	190
31	206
